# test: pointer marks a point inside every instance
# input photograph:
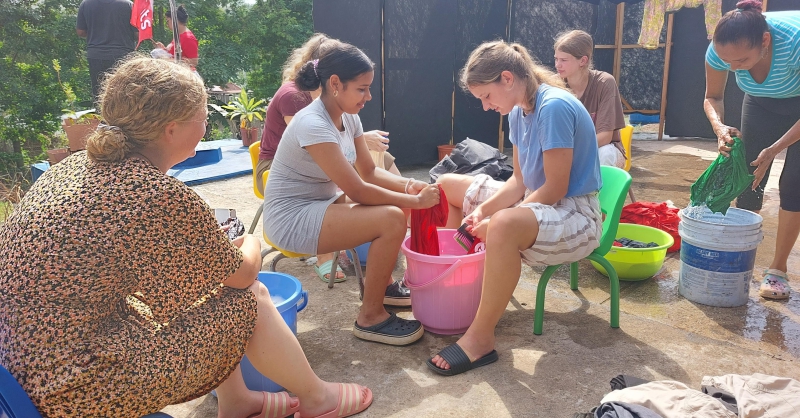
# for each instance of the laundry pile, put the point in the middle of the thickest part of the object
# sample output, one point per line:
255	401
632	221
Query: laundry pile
728	396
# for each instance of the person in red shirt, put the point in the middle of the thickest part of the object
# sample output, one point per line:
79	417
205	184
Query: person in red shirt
190	51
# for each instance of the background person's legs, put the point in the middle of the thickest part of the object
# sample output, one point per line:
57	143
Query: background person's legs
767	120
97	70
789	213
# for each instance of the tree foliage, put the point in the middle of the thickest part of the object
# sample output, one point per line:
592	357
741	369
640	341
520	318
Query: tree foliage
244	43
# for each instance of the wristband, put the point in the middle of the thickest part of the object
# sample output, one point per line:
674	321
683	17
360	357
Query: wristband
407	183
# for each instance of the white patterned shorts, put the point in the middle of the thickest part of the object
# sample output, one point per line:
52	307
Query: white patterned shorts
568	231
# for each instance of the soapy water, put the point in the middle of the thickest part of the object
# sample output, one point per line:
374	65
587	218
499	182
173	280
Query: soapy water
696	212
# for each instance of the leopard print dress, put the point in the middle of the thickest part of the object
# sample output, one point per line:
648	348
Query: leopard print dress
111	295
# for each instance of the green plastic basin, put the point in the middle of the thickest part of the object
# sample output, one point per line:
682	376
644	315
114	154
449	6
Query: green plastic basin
634	264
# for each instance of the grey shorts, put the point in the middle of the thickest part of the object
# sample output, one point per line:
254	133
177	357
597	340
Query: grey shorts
568	231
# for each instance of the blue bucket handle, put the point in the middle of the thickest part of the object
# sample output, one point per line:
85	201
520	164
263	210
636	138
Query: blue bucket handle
302	305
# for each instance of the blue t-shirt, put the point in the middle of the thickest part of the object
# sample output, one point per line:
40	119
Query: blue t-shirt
559	120
783	80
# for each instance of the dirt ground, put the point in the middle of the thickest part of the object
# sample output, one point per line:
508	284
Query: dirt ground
567	369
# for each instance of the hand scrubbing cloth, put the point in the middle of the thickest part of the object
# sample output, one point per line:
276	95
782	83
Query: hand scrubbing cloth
424	238
724	180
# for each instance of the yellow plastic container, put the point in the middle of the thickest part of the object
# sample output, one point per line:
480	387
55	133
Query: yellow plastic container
635	264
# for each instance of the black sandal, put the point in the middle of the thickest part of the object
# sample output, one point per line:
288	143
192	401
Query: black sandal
459	362
393	331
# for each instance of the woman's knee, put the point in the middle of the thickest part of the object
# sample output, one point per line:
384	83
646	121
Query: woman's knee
261	292
516	226
394	220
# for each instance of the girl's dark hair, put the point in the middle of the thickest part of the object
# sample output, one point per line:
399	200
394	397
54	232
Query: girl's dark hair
183	15
335	57
744	25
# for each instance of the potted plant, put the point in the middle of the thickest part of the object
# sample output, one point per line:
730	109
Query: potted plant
250	113
76	124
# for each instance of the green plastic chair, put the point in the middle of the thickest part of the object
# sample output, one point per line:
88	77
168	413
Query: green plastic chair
616	183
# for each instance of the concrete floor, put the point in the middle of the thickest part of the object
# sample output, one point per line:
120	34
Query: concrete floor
567	369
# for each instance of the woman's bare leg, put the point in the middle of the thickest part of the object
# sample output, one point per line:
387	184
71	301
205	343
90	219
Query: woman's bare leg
510	231
275	352
788	231
347	225
455	188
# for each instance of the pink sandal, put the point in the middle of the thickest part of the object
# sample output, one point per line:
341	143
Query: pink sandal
277	405
774	285
351	401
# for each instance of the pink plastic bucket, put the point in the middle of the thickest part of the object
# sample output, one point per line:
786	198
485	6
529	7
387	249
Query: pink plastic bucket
445	290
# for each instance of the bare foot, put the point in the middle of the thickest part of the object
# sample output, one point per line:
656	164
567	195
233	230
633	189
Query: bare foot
470	345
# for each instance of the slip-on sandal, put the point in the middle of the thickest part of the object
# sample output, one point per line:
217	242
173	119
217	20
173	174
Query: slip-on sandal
775	285
459	362
276	405
351	401
325	269
393	331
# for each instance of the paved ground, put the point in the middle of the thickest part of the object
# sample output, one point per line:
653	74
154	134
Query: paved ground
567	369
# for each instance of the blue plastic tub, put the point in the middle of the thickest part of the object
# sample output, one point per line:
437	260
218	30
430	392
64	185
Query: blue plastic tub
286	292
362	251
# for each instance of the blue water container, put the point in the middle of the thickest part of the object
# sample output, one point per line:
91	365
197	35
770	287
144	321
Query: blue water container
362	251
286	292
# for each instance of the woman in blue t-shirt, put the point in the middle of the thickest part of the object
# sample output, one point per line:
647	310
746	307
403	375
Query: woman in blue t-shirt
763	49
547	212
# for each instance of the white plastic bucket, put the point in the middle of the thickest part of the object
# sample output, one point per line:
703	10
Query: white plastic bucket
718	253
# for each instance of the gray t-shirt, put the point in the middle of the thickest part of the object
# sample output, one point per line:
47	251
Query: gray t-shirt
298	192
110	35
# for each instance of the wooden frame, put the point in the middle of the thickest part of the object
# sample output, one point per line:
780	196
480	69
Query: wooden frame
616	72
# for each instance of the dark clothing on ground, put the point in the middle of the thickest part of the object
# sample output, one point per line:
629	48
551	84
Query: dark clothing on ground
764	121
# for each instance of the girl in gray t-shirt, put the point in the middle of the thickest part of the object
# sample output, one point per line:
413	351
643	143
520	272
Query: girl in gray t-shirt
323	156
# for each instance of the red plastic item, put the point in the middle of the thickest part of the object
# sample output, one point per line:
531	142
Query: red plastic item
657	215
424	238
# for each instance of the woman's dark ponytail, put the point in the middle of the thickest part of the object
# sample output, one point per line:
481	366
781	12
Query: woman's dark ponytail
744	25
335	58
307	78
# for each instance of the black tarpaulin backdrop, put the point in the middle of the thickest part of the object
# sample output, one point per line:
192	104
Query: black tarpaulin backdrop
362	21
426	43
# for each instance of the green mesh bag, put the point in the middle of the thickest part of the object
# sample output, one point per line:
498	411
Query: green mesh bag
724	180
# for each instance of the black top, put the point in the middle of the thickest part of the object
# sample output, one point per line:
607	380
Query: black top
110	35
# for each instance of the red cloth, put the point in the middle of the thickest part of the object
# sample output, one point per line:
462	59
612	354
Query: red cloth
424	237
657	215
142	19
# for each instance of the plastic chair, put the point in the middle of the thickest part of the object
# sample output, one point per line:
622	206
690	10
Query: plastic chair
15	403
289	254
254	150
612	197
626	137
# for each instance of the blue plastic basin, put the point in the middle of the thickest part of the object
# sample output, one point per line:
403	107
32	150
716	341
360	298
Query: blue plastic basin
286	292
362	251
